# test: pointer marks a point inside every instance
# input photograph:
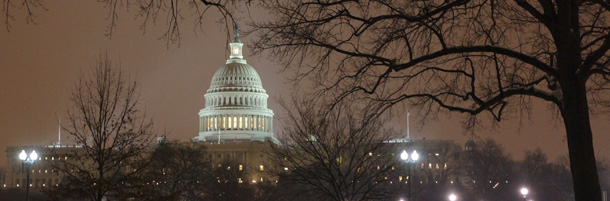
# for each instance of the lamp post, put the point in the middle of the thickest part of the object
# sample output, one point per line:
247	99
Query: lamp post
27	161
452	197
405	157
524	192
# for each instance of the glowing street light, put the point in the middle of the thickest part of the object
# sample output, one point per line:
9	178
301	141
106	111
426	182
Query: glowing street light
27	161
452	197
405	157
524	192
414	156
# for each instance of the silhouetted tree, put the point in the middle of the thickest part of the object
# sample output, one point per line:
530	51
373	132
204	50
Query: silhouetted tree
334	154
547	181
488	169
177	171
149	11
468	56
113	134
227	182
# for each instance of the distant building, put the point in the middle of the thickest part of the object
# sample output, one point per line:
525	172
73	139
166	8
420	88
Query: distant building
438	162
42	174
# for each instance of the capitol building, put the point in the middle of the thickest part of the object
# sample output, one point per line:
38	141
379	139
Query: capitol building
236	104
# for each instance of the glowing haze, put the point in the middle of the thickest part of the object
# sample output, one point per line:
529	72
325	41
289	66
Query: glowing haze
40	64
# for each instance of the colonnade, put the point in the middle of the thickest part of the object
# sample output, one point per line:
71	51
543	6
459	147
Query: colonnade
242	100
236	122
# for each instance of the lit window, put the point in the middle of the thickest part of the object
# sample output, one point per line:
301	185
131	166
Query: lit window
437	166
219	165
261	167
53	158
45	171
378	167
66	158
445	166
286	168
45	158
241	167
370	153
429	165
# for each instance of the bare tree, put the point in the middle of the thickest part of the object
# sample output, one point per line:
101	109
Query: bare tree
469	56
334	154
547	181
177	171
113	133
173	12
30	7
227	182
488	169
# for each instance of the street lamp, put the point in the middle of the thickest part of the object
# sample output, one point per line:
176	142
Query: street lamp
405	157
27	161
452	197
524	192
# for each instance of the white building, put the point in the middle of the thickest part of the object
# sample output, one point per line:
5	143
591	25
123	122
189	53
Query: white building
236	104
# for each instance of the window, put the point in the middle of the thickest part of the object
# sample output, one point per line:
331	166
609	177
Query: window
261	167
241	167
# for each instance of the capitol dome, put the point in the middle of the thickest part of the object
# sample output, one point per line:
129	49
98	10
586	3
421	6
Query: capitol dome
236	77
236	104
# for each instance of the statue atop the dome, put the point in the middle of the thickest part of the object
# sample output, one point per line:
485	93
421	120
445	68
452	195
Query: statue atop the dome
236	34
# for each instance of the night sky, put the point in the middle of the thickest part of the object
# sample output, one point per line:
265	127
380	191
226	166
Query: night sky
40	64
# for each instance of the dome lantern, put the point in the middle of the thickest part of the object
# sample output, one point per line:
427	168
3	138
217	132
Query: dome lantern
236	48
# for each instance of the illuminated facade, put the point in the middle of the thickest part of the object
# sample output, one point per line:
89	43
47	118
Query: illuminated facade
236	104
42	172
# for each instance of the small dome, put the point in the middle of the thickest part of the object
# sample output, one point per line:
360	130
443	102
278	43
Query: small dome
236	76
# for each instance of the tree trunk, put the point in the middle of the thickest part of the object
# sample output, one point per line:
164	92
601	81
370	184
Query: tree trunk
575	112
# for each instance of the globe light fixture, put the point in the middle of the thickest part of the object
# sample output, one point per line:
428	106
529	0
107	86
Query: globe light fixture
524	192
404	155
23	155
452	197
33	156
27	161
414	155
